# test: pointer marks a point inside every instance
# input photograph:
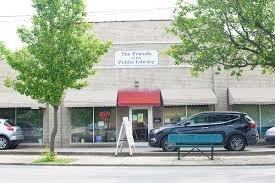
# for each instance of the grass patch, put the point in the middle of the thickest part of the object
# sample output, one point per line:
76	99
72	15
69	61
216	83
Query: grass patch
51	158
55	161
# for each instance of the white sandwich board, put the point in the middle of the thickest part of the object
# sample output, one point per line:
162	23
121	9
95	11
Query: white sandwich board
125	134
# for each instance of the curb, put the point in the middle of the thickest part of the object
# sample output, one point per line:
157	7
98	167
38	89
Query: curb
131	165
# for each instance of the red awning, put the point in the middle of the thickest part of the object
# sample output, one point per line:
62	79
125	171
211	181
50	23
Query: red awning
138	97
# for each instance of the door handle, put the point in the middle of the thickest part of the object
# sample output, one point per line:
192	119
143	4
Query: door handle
204	127
230	125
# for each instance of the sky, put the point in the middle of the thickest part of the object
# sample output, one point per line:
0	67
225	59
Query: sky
15	13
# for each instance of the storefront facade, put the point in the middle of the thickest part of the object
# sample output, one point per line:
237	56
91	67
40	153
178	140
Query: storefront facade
136	79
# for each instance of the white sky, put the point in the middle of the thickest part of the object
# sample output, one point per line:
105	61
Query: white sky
14	13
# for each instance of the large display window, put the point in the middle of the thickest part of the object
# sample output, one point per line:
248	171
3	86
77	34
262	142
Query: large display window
263	115
93	125
178	113
194	109
30	120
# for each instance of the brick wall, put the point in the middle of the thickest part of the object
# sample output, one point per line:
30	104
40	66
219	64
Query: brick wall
143	35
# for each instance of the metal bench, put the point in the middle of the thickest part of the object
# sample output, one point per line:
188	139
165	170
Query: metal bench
195	141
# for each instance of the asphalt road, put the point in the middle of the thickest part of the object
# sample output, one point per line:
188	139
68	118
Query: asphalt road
213	174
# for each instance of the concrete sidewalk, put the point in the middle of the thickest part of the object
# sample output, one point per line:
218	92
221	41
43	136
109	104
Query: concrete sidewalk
140	151
145	161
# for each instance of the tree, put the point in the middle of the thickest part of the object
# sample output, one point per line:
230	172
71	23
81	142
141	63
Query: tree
59	53
229	34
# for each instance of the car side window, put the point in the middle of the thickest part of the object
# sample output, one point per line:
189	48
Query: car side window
219	118
216	118
199	120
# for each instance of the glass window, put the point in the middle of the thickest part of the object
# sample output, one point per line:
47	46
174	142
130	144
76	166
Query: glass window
194	109
219	118
82	125
200	119
268	118
8	113
105	124
30	120
85	129
251	110
174	114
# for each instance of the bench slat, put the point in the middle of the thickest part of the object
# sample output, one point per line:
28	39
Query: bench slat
195	139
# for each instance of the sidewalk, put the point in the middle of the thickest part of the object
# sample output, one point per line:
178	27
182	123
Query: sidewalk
144	156
140	151
145	161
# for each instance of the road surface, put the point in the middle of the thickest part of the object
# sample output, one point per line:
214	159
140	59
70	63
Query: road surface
92	174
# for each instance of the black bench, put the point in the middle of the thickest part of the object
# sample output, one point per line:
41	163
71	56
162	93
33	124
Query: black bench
195	141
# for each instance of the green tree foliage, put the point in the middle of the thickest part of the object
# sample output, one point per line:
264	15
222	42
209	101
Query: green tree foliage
59	53
229	34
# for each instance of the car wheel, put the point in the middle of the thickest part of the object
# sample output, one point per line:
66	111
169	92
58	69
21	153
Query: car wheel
165	147
4	143
236	143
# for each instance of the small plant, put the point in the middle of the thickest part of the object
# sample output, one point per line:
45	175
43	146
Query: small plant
49	156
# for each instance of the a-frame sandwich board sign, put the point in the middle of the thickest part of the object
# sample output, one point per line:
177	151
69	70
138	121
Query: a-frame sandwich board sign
125	134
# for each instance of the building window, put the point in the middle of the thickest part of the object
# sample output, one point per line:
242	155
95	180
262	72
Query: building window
252	111
263	115
267	118
177	114
30	120
93	125
105	124
194	109
174	114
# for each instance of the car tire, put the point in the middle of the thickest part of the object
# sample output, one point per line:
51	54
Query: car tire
4	143
165	147
226	147
236	143
13	146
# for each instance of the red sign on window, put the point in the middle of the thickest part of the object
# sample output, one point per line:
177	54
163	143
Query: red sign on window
104	114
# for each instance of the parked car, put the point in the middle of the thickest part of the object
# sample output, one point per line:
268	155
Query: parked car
270	136
238	129
10	136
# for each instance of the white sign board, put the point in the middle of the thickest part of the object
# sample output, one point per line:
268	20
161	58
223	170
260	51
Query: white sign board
136	58
126	126
128	131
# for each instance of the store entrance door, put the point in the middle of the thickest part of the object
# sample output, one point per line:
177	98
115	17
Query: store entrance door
142	123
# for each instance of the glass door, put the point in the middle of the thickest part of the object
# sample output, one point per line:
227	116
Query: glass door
140	120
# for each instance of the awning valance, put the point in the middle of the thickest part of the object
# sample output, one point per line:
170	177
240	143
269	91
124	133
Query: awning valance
251	95
16	100
173	97
139	97
94	98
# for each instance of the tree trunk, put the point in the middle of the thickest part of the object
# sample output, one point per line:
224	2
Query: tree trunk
54	129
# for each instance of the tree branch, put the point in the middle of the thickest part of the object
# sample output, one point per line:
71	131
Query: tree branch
242	22
239	46
260	26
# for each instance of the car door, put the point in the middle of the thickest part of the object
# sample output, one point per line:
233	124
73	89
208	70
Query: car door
220	124
216	124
